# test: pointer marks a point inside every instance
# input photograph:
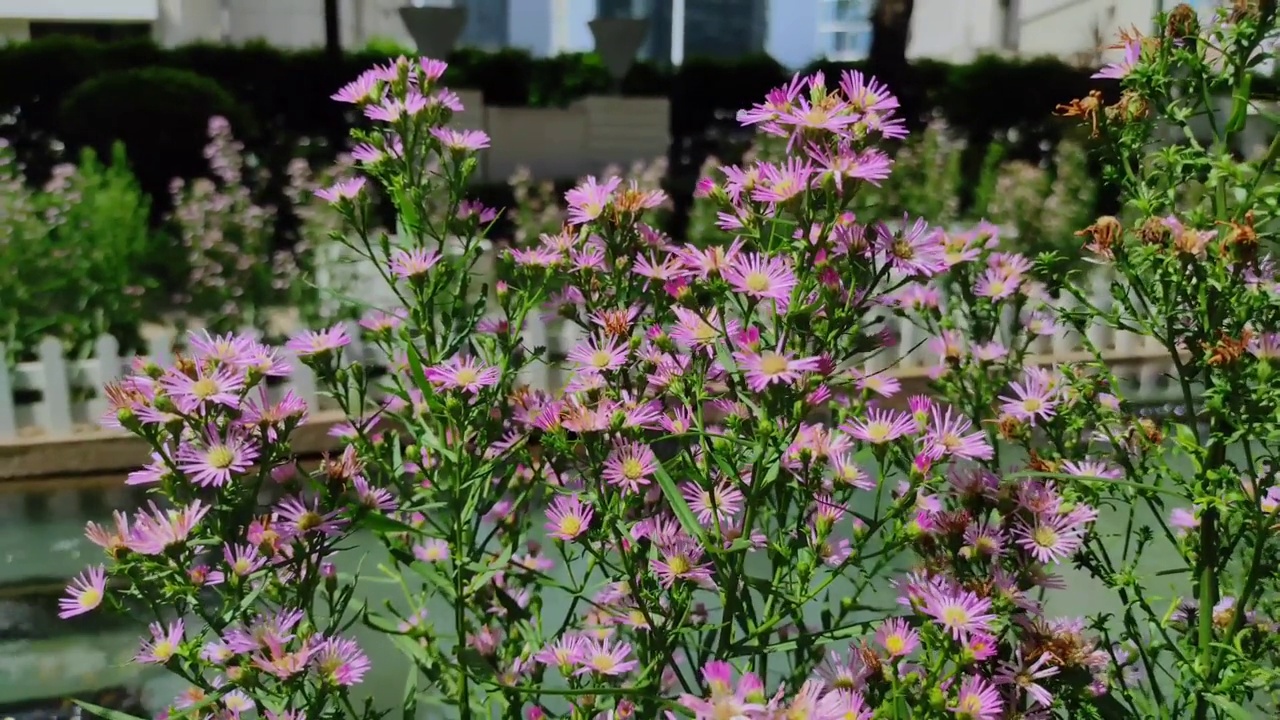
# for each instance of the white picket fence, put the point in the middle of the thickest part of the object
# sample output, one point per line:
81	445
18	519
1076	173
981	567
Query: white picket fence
55	395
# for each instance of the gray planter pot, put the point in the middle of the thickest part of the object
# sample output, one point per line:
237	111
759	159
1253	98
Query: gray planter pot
435	30
617	41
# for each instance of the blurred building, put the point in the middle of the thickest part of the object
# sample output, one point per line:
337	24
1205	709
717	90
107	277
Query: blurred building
793	31
713	28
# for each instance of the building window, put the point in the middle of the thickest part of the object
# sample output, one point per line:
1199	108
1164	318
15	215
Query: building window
102	32
844	29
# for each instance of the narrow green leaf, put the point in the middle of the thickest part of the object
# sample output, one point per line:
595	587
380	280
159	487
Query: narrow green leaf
1232	709
106	713
678	505
385	525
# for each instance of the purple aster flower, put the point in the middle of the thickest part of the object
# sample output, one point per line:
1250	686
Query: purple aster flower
952	435
588	201
1051	538
314	343
603	657
568	517
348	189
461	141
340	661
773	367
215	460
1120	70
85	593
1031	400
1025	677
915	249
762	277
163	644
466	374
978	700
959	612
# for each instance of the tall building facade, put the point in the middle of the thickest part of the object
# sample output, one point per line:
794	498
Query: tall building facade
844	29
712	28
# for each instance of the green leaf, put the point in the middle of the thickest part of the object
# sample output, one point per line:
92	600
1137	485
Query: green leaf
678	505
410	705
385	525
1232	709
106	713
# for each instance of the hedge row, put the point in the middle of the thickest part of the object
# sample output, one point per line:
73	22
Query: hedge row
289	89
90	93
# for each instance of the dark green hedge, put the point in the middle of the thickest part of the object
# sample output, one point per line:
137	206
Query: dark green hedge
288	90
283	95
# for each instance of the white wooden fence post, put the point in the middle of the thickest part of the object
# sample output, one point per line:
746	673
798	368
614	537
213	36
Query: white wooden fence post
107	368
54	411
303	381
8	413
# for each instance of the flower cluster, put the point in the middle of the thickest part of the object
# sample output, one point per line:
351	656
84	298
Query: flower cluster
234	557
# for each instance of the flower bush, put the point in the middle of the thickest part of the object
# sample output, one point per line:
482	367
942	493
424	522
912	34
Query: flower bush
76	254
724	513
236	275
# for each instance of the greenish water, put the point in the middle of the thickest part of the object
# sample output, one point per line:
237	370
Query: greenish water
44	659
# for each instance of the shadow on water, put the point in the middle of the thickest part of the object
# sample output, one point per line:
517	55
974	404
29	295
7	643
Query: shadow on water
45	661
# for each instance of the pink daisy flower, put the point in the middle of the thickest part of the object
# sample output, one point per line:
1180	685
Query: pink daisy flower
1032	400
762	277
216	461
305	518
568	517
915	249
314	343
773	367
209	387
718	505
630	465
959	612
163	644
781	183
897	637
599	355
413	264
978	700
588	201
85	593
466	374
1026	677
348	189
602	657
340	661
949	436
1120	70
564	652
681	560
880	426
461	141
1050	539
155	530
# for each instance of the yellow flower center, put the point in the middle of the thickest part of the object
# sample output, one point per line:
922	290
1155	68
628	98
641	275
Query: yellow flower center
570	526
204	388
902	250
773	364
895	644
466	376
1045	536
90	598
1032	404
163	650
601	359
878	432
704	332
603	663
955	617
221	457
309	520
757	281
679	564
632	469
